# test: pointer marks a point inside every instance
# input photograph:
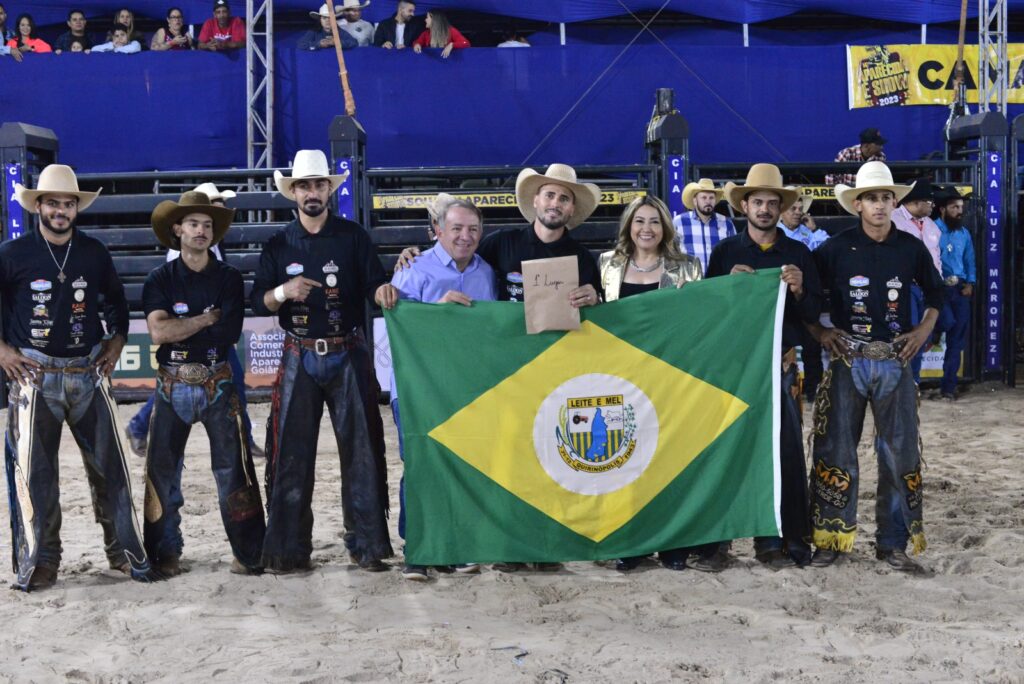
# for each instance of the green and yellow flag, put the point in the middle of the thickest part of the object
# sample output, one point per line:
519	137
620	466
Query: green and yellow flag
654	426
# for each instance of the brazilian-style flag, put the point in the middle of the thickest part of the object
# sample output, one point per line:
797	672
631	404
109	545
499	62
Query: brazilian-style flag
654	426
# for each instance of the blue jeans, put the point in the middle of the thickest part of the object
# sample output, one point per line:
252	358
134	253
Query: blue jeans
955	320
401	455
178	407
839	412
139	424
916	312
66	391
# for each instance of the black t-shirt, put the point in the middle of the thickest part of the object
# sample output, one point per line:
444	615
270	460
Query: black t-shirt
869	281
60	319
340	257
506	250
740	249
184	293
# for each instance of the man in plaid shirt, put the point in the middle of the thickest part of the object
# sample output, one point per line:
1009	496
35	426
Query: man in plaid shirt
869	149
700	228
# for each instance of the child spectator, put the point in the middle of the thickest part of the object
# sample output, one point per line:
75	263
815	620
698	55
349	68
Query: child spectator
76	29
119	42
126	17
174	35
440	34
26	40
76	45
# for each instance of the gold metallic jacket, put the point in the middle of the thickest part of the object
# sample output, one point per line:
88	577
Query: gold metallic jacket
676	273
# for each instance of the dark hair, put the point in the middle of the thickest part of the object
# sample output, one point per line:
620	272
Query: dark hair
119	27
75	40
31	24
73	12
167	21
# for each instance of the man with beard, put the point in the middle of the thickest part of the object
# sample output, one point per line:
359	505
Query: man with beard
959	275
700	229
316	274
763	245
398	32
53	282
195	305
222	31
868	271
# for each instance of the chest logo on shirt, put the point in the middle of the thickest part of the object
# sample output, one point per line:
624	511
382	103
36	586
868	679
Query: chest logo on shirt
78	308
860	307
894	283
859	294
79	295
42	297
516	278
40	285
81	283
180	308
330	267
40	311
894	295
332	280
294	269
859	281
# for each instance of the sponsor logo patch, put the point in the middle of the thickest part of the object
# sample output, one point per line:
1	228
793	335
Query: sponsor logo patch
180	308
330	267
895	283
41	297
40	285
859	281
859	294
293	269
894	295
80	283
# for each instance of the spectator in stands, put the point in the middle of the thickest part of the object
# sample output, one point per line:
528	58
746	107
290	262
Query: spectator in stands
439	33
401	30
869	149
76	29
513	39
173	36
700	229
119	42
959	273
27	40
76	45
126	18
914	216
320	38
354	24
222	32
7	35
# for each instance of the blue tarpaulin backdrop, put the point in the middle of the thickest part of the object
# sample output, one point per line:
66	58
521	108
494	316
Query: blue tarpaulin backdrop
482	106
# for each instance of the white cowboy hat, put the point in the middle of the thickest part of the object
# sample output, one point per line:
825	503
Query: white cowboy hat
586	196
766	177
55	179
443	199
805	200
872	175
308	164
703	185
325	12
211	191
352	4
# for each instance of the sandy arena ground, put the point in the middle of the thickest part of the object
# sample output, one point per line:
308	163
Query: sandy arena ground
853	623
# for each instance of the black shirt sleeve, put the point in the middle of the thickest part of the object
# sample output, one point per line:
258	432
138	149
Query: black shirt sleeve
589	271
488	249
810	305
266	278
716	265
155	295
115	303
227	330
374	274
928	278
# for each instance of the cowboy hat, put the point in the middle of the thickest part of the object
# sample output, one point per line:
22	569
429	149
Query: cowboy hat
169	213
805	200
703	185
586	196
55	179
766	177
352	4
442	200
211	191
920	190
325	12
308	164
872	175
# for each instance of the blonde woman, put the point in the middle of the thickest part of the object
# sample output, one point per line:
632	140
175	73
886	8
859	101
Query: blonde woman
646	256
440	34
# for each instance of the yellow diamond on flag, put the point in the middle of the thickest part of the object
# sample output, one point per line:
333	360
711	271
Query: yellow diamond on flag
590	430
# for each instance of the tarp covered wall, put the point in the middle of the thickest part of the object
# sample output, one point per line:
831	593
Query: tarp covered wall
481	106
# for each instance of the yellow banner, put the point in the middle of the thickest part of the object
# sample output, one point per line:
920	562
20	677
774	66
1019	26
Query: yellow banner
420	200
893	75
828	192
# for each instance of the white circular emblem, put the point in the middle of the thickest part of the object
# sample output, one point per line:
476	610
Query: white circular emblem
332	280
79	295
893	295
595	433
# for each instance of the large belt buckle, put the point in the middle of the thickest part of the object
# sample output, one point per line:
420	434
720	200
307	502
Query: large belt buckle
952	280
193	373
320	346
877	351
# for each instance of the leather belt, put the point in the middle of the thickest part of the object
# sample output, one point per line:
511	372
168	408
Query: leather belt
322	345
876	350
67	369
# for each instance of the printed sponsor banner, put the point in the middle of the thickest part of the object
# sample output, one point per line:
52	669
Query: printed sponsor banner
828	192
420	200
676	182
346	201
15	214
994	288
893	75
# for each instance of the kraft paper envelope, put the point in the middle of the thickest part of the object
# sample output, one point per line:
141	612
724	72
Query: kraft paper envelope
546	287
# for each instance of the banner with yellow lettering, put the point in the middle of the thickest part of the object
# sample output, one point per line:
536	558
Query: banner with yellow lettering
893	75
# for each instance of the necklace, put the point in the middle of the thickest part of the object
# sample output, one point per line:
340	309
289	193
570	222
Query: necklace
655	267
60	276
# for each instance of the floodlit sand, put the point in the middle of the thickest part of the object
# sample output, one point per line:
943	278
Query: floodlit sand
857	622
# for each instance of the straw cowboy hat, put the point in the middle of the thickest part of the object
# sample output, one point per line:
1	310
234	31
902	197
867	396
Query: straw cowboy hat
766	177
308	165
352	4
586	195
55	179
211	191
805	200
872	175
703	185
168	213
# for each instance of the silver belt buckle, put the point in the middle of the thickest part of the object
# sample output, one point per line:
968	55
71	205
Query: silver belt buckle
320	346
193	373
877	351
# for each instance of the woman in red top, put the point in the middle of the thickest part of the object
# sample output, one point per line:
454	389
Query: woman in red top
26	40
440	34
